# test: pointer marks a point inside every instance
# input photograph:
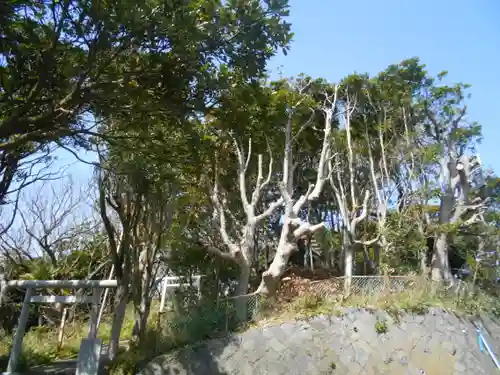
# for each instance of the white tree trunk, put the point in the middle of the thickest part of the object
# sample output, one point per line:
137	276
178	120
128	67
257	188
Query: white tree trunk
424	269
271	277
348	261
456	175
293	227
241	250
440	264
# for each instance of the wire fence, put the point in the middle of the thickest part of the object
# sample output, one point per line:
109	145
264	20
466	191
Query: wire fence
331	288
365	286
376	284
224	314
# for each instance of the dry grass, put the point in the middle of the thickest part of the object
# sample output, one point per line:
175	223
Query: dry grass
40	344
417	299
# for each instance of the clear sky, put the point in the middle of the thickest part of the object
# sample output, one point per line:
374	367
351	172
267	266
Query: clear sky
335	38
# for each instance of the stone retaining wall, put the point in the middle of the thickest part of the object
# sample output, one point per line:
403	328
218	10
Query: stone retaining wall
355	342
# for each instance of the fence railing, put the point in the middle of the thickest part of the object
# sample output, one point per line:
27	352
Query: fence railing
224	310
359	286
376	284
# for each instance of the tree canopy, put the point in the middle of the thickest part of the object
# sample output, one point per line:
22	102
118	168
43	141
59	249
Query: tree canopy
207	165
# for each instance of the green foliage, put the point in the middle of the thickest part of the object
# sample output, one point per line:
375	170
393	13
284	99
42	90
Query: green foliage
201	321
173	85
65	59
381	327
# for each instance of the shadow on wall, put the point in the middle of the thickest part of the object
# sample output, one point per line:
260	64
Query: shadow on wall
201	359
201	330
357	341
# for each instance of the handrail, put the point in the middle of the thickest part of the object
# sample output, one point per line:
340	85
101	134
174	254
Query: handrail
484	344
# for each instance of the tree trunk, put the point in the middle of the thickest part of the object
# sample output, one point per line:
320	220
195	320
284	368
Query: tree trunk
330	258
241	301
118	318
141	315
142	301
376	256
424	270
440	264
348	250
142	307
440	267
370	266
341	260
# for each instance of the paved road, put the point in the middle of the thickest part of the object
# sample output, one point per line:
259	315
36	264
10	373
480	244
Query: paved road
65	367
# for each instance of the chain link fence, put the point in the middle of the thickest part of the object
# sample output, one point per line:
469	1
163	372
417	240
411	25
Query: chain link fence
226	309
331	288
368	285
224	314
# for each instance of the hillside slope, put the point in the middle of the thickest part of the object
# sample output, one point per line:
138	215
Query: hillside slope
356	342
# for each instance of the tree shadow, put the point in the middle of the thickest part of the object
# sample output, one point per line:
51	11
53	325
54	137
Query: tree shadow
201	359
192	341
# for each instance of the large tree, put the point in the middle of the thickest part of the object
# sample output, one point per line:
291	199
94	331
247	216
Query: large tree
66	66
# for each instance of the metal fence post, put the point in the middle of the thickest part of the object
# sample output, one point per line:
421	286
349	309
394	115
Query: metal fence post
18	337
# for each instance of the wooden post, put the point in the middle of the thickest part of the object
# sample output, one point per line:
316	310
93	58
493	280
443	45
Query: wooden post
60	337
94	313
18	337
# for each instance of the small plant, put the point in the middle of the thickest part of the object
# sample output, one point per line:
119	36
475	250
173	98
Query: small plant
381	327
338	313
309	302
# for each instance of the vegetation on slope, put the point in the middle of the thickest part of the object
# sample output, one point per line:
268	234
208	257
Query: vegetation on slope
204	165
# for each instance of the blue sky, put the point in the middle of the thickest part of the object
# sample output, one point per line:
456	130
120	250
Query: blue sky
335	38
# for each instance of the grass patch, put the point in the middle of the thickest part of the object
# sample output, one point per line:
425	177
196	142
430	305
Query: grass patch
40	343
418	298
189	329
199	323
171	331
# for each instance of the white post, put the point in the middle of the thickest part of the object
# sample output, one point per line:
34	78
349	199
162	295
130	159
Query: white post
163	295
18	337
198	286
60	336
105	297
94	313
3	285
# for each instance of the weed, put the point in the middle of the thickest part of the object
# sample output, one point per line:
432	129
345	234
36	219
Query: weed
381	327
205	322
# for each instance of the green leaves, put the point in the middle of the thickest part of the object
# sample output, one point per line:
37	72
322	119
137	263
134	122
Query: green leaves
165	59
